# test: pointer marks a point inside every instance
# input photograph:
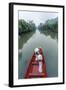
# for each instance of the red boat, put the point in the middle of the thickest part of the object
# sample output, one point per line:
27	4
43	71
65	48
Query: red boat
32	70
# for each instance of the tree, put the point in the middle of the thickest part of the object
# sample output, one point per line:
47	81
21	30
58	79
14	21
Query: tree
51	25
24	26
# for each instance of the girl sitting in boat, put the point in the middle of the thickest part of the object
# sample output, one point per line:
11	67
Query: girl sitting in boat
38	58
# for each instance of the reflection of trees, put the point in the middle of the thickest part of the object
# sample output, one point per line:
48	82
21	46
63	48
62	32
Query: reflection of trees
53	35
24	38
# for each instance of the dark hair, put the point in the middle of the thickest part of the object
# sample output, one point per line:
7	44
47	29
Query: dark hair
37	53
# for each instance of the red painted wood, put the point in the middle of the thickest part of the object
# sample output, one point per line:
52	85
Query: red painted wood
32	70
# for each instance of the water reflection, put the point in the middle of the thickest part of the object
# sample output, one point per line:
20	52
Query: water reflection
22	61
53	35
22	40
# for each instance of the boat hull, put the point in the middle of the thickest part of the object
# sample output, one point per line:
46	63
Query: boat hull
33	67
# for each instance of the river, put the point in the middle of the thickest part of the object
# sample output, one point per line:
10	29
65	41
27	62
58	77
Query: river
49	43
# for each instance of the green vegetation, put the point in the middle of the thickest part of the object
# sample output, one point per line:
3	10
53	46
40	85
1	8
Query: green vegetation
26	26
49	25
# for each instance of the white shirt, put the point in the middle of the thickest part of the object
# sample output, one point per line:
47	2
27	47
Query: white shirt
39	57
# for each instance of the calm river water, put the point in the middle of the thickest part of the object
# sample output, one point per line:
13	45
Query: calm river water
49	43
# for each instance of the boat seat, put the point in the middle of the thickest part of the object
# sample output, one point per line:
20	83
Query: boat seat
35	63
36	75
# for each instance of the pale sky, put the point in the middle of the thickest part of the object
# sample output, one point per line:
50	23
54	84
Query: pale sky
37	17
